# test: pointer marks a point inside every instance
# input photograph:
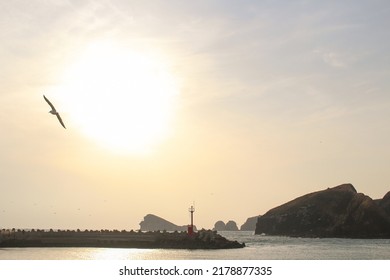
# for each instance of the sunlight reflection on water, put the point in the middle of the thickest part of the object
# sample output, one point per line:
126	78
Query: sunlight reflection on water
258	248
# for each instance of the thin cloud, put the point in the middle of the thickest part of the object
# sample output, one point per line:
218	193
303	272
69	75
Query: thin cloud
332	58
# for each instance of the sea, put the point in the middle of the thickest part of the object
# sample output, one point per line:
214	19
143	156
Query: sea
258	247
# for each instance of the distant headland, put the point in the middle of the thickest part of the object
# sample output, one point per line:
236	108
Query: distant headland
338	212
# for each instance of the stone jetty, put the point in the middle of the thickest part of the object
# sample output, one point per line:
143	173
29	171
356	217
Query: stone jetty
203	239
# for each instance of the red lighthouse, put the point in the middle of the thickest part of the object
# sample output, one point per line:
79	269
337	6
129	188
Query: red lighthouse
191	226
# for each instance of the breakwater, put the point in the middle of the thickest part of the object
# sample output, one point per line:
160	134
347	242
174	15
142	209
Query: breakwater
203	239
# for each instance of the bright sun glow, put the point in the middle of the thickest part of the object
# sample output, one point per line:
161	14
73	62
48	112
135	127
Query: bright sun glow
122	99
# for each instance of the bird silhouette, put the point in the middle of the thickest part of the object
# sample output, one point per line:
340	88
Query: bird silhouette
54	111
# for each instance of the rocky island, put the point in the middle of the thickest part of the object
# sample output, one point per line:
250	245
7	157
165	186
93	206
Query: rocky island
154	223
229	226
339	212
203	239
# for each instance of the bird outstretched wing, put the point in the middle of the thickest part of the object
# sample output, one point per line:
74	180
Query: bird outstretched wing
54	111
48	102
59	118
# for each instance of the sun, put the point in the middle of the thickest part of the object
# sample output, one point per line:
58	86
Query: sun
122	99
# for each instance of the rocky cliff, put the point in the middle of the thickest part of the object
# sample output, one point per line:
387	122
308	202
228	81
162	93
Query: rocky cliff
385	203
250	224
335	212
153	223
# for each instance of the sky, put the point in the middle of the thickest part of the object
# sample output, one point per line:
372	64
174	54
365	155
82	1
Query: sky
234	107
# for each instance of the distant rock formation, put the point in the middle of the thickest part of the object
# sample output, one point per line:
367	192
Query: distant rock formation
334	212
229	226
153	223
250	224
219	226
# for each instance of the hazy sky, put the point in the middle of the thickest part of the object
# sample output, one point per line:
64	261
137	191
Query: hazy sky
238	106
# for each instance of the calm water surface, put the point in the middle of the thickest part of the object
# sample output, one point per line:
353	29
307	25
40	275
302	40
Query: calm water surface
258	248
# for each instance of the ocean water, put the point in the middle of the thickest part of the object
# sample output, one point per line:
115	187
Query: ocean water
258	247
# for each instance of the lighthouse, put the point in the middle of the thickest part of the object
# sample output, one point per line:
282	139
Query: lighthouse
191	226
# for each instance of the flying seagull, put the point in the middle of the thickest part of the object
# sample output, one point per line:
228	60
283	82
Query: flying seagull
54	112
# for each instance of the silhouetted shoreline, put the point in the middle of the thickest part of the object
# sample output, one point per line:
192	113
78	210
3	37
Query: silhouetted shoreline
203	239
